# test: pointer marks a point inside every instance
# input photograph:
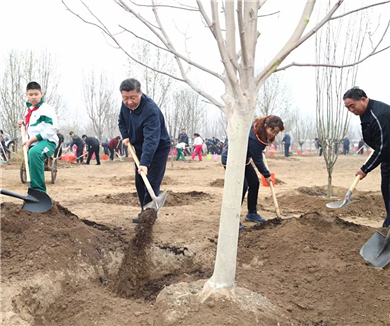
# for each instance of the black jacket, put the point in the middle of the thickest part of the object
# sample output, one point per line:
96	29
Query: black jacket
255	151
76	140
145	128
92	142
376	133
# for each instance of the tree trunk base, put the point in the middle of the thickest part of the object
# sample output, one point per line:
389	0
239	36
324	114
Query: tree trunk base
181	302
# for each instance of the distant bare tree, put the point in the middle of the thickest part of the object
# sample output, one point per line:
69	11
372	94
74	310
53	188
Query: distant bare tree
302	127
274	97
154	84
186	112
342	42
99	102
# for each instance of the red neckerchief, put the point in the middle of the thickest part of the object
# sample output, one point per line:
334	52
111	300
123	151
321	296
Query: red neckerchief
258	138
28	115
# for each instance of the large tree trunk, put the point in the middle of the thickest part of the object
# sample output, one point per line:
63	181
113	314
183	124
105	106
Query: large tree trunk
222	281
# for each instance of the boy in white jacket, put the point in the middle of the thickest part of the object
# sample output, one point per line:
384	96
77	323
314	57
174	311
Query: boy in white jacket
41	126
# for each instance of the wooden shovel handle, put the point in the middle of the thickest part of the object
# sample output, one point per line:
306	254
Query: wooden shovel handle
277	210
22	129
143	175
357	179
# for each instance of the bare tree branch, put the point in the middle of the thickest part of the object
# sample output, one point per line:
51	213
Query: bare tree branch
189	8
190	62
362	8
372	53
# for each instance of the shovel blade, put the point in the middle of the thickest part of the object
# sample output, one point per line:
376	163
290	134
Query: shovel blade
37	201
374	252
339	204
158	202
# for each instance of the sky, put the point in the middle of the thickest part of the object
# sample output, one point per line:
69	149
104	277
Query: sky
79	47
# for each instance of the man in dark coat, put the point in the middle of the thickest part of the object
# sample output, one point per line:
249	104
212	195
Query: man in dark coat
183	138
287	142
346	145
375	122
76	140
93	147
142	123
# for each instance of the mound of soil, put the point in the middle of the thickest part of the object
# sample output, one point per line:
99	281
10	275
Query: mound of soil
130	199
325	281
217	183
56	240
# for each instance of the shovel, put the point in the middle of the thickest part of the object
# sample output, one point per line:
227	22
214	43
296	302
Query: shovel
120	157
36	201
272	191
5	154
377	250
347	199
157	201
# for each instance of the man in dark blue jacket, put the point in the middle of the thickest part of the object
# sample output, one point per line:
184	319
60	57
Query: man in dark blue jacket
93	148
375	122
287	142
142	123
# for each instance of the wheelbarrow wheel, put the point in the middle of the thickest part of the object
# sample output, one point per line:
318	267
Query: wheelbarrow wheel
54	171
23	173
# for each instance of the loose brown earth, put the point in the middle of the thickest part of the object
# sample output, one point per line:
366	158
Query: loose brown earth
82	262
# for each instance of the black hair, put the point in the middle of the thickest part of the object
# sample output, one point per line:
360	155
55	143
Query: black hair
33	85
83	136
118	137
129	85
354	93
196	134
71	133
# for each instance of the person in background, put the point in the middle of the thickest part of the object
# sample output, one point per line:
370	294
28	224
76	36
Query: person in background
40	122
76	140
346	145
318	146
105	147
198	144
113	146
375	122
142	124
180	147
262	133
93	146
287	142
183	138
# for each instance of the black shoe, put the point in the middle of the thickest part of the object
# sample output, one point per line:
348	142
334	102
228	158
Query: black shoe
254	217
97	164
386	223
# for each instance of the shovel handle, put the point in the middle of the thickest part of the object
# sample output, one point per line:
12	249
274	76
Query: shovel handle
4	152
277	210
357	179
23	130
143	175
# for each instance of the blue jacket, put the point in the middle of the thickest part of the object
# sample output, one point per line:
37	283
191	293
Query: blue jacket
287	139
145	128
375	123
255	151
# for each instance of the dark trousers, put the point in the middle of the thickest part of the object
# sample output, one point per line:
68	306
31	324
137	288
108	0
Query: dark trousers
112	152
286	150
94	149
155	176
252	185
79	154
385	187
